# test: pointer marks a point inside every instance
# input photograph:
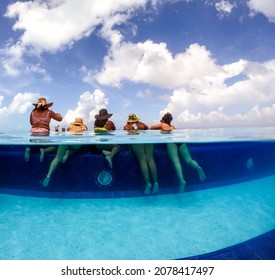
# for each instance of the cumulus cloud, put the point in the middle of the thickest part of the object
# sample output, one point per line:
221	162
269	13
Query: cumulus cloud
154	63
87	75
20	104
204	92
1	99
224	8
3	112
12	59
47	26
265	7
221	106
218	118
87	107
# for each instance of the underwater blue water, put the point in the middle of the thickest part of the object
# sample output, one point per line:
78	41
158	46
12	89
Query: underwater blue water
156	227
117	221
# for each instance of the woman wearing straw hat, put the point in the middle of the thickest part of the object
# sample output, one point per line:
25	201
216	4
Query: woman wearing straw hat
144	154
41	116
63	151
40	119
77	126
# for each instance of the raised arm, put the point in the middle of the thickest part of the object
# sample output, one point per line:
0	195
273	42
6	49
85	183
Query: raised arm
156	126
56	116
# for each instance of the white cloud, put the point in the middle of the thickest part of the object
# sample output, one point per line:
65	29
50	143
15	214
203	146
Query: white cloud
147	94
1	99
87	107
38	69
48	25
12	59
218	118
20	104
3	114
240	104
266	7
154	63
87	75
107	31
224	8
14	64
203	91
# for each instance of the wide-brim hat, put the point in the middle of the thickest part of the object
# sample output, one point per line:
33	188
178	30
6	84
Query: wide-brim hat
103	115
42	101
78	121
133	118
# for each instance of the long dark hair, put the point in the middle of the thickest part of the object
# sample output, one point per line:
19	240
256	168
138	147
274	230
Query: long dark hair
167	118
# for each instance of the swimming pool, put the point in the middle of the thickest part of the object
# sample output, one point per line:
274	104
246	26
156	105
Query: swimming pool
92	211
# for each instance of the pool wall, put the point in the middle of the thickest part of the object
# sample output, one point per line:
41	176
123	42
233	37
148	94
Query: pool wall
223	162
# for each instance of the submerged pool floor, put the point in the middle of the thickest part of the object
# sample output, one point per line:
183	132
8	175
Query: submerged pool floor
156	227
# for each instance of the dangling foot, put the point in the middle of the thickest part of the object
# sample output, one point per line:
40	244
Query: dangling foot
109	161
27	154
201	174
106	153
148	188
155	188
46	181
182	187
65	157
42	154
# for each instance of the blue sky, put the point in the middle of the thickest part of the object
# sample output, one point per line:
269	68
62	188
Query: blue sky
210	63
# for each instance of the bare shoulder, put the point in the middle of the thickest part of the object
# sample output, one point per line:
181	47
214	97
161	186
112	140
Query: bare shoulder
156	126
